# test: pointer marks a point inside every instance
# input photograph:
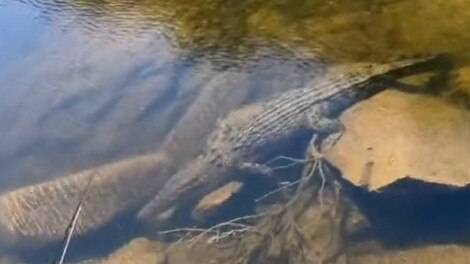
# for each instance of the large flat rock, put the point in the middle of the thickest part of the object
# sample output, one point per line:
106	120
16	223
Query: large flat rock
396	135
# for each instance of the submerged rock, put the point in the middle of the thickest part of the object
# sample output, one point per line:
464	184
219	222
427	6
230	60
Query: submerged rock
212	201
395	136
139	250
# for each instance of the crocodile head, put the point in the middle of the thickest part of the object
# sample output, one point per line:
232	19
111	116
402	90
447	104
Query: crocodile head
205	173
185	188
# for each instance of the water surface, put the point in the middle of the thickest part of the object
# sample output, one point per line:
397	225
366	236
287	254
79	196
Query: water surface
84	83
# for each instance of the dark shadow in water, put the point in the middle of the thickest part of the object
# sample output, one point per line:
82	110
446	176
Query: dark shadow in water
410	213
140	73
81	99
445	83
133	79
162	100
106	109
406	214
74	101
53	149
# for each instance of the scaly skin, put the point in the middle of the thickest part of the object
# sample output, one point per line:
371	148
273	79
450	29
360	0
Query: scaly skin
238	143
41	213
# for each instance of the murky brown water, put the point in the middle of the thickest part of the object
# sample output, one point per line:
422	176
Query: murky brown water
84	83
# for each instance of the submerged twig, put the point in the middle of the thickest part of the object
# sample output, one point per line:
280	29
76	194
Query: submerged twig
293	162
277	226
216	229
73	222
266	195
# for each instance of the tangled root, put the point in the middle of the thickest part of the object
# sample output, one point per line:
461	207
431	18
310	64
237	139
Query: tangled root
307	229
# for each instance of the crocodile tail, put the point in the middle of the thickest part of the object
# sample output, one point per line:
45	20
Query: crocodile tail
42	212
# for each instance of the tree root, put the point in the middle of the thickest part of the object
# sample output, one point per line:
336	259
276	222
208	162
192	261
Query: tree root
307	229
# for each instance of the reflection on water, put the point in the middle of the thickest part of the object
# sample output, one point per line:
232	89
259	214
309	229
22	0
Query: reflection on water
81	99
343	29
85	82
13	41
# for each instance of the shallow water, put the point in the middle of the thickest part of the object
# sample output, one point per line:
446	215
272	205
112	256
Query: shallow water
84	83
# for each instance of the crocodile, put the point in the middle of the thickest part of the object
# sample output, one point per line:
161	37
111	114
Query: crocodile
40	213
246	137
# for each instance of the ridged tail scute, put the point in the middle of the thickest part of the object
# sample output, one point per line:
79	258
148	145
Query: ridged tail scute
443	61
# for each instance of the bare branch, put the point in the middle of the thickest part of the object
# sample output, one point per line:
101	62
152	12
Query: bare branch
277	190
73	222
216	230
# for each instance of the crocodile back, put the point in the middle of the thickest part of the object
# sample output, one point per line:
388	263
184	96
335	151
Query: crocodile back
353	82
277	119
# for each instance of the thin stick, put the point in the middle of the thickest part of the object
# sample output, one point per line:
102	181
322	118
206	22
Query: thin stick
277	190
73	223
217	233
293	162
322	186
69	233
282	157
